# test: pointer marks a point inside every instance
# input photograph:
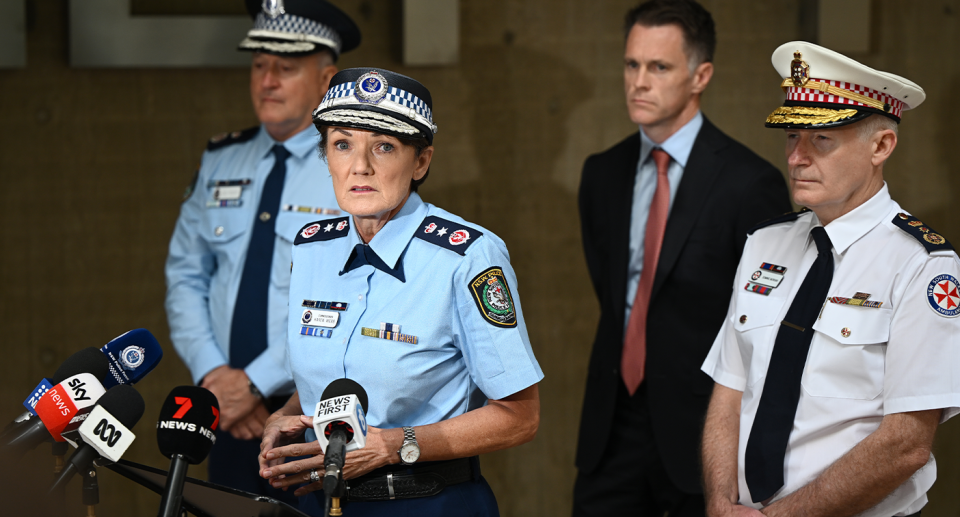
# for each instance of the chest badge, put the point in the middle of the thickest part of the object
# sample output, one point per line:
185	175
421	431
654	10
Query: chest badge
943	296
859	300
318	318
766	278
333	306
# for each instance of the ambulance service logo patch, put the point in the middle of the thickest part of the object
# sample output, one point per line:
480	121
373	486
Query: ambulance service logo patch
493	298
943	296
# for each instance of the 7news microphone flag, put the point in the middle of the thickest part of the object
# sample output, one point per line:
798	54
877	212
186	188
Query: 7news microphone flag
185	434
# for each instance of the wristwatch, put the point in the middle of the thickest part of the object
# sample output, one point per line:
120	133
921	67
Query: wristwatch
253	390
409	450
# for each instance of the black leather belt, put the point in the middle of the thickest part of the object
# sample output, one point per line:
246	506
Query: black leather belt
406	482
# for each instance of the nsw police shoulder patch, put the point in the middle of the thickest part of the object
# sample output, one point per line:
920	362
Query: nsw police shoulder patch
494	300
447	234
323	231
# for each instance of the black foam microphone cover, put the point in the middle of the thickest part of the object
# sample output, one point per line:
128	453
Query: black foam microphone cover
124	403
341	387
186	424
89	360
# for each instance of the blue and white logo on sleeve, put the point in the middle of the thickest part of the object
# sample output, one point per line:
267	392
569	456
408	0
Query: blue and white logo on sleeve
943	296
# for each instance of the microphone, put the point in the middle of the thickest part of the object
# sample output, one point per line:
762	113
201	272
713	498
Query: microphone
341	426
105	433
185	434
62	401
131	356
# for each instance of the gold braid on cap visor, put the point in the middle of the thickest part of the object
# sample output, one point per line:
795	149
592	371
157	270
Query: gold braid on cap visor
810	115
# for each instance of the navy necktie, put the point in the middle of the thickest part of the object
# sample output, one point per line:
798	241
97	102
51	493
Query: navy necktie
767	444
248	330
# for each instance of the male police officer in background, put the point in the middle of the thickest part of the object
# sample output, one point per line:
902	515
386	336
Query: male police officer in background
839	359
664	216
228	267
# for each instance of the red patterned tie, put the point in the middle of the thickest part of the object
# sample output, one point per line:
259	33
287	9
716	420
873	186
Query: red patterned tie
635	342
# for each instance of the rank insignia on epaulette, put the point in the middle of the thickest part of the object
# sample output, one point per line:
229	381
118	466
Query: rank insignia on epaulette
785	218
447	234
323	230
930	240
224	139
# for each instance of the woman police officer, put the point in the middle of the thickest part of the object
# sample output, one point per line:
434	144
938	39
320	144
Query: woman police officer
427	319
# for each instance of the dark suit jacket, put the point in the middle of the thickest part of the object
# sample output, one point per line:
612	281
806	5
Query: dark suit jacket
725	190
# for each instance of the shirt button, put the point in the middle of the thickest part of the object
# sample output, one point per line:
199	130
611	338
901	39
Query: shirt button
344	341
360	297
218	231
264	216
743	319
845	332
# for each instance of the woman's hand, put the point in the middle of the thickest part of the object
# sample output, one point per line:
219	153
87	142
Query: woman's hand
381	449
377	452
279	432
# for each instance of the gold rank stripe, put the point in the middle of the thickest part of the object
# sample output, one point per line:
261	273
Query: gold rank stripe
386	334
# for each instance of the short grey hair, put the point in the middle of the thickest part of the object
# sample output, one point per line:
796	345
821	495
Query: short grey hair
870	125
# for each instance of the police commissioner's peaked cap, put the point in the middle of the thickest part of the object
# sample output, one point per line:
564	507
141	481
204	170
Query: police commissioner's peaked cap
377	100
299	27
827	89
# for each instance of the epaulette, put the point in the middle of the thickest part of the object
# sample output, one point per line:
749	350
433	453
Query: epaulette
785	218
931	241
325	230
227	139
447	234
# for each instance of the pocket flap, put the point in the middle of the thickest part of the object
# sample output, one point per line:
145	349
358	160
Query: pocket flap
755	310
854	325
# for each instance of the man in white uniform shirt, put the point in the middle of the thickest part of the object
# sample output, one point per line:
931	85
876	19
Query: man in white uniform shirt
838	357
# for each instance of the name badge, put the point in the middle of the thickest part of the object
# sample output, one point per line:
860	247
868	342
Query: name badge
766	278
315	318
227	193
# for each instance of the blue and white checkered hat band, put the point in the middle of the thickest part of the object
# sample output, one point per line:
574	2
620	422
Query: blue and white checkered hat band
394	95
293	28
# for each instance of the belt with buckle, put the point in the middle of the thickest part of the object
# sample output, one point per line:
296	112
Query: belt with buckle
405	482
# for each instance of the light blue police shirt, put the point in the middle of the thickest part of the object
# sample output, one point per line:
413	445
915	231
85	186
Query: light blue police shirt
678	146
209	246
461	357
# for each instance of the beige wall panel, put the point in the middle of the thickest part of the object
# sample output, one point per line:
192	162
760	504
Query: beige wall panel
93	164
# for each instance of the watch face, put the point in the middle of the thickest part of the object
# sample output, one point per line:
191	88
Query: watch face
410	452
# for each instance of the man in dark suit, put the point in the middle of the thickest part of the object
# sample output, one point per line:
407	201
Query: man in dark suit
664	216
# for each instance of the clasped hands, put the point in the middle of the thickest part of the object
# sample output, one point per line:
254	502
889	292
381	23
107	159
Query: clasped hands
279	437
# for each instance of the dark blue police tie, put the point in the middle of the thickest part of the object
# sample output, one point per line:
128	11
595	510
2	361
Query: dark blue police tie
767	444
248	331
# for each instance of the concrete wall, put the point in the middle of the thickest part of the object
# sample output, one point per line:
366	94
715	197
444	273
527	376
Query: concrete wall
93	164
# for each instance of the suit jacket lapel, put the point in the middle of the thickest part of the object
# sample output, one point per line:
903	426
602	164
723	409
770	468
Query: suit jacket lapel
621	208
701	171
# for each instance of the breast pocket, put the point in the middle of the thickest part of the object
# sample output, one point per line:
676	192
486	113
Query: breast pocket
756	322
846	358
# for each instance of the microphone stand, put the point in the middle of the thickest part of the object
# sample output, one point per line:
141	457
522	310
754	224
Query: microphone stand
59	450
173	492
90	490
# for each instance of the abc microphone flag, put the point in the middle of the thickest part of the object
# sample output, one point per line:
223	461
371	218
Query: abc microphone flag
105	433
185	434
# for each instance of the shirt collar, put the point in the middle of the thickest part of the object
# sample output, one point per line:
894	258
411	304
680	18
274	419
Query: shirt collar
851	226
299	145
678	145
390	242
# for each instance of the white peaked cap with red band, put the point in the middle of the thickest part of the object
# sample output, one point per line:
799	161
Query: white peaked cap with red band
826	89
